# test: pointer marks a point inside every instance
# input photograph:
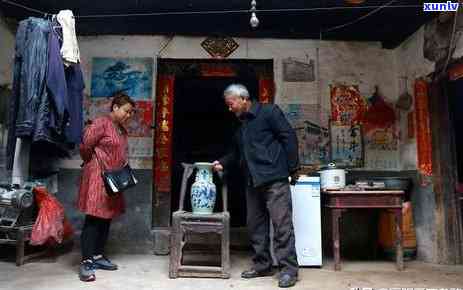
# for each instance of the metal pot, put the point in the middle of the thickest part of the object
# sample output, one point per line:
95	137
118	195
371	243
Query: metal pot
332	177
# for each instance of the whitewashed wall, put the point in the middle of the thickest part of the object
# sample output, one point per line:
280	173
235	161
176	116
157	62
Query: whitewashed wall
364	64
411	64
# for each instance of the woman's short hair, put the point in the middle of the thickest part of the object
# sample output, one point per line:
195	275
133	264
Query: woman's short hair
237	90
121	99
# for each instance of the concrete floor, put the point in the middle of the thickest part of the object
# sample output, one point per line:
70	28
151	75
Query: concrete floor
151	272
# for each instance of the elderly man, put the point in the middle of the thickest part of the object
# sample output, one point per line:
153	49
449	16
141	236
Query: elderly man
266	149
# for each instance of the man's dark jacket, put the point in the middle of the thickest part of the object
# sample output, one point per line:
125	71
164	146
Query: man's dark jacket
265	145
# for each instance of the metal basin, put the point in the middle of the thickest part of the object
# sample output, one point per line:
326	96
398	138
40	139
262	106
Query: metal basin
395	183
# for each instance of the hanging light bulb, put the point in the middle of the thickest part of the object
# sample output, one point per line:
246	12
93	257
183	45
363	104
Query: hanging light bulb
254	21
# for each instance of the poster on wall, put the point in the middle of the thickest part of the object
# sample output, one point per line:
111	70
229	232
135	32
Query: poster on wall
295	70
312	134
346	144
141	147
138	126
380	131
347	105
133	76
96	107
385	139
381	160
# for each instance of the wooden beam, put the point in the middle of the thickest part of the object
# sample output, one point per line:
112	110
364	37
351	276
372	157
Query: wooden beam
447	210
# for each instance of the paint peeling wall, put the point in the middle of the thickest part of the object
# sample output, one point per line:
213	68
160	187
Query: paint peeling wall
352	63
411	64
365	65
362	64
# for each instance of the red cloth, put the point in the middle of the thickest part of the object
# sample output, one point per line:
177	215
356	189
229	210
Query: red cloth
51	225
379	115
103	139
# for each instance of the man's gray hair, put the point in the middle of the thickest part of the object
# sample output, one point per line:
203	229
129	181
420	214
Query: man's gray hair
237	90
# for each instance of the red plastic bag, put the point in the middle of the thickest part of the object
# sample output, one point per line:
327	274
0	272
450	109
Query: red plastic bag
51	225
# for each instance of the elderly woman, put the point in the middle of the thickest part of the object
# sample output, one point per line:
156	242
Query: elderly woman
104	147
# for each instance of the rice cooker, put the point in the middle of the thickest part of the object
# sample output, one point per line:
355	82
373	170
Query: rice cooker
332	177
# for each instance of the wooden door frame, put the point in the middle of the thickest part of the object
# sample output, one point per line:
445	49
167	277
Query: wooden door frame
168	70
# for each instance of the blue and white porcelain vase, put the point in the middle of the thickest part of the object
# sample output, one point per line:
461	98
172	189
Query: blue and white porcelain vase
203	190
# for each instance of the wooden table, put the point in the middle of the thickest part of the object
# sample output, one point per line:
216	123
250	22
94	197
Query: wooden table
339	201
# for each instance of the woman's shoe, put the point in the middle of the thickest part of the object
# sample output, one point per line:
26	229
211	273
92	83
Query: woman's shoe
87	271
103	263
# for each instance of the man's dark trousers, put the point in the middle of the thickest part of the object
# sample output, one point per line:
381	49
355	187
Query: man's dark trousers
265	203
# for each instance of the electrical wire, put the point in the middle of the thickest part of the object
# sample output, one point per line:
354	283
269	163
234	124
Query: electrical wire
240	11
219	11
375	7
360	18
24	7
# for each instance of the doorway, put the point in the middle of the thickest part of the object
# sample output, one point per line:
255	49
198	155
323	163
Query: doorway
193	125
203	131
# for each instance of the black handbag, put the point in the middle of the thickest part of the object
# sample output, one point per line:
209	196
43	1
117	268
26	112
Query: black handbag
117	180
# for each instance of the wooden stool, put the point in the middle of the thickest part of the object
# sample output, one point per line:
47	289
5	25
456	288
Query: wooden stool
184	222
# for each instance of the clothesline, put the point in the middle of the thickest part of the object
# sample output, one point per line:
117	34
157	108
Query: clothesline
219	11
324	30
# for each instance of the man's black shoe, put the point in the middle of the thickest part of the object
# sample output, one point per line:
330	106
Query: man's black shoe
254	273
287	280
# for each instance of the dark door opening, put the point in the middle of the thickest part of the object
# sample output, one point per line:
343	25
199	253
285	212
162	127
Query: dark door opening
202	132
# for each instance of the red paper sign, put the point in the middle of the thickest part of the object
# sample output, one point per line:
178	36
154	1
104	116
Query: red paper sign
163	140
266	90
423	129
347	106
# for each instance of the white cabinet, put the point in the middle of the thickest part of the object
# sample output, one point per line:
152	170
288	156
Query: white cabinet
307	221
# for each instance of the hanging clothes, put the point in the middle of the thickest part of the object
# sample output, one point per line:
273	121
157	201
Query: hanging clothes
75	88
33	60
56	83
47	100
69	49
30	65
53	111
